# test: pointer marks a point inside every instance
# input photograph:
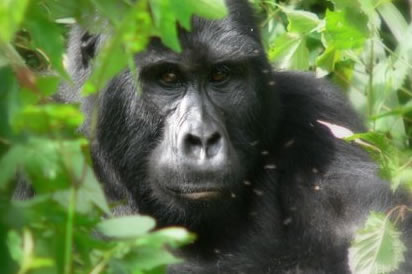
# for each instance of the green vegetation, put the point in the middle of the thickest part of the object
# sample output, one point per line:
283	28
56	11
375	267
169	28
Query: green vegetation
365	46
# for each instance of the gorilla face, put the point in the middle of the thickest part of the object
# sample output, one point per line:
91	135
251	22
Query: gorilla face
196	157
185	134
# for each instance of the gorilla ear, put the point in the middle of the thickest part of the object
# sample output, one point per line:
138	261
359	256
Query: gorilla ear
87	47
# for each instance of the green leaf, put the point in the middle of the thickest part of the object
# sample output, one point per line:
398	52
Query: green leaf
301	21
346	29
114	10
165	22
46	35
400	66
366	6
91	192
11	15
172	236
47	85
394	20
41	263
343	4
285	43
290	52
126	227
9	164
47	118
210	9
377	248
399	111
402	178
328	59
68	10
384	98
42	162
15	245
167	13
144	260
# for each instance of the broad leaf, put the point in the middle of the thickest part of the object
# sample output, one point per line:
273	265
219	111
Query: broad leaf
377	248
11	15
346	29
126	226
289	51
301	21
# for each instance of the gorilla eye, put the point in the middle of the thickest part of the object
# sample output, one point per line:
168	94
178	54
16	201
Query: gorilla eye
169	77
220	74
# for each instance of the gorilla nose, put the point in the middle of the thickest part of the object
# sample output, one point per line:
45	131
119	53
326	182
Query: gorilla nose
202	143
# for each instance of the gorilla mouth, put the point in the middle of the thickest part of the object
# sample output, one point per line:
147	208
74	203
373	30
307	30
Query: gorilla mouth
204	195
196	194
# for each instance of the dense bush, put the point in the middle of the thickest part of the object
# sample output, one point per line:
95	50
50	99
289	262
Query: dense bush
365	46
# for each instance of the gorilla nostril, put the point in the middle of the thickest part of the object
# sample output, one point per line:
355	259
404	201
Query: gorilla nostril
213	145
192	140
192	145
196	146
213	139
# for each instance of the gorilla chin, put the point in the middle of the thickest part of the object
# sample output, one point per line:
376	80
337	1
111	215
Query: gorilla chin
194	182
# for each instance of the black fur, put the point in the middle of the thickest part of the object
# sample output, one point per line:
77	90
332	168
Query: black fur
290	195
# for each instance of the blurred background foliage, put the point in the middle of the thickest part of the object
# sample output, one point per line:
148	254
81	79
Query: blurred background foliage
364	46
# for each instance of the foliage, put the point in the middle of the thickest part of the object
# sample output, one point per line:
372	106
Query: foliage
362	45
67	227
365	46
377	248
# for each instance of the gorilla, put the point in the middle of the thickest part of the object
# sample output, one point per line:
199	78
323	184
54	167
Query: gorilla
214	140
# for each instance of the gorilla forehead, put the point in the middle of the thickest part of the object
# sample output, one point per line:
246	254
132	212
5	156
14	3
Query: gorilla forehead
208	42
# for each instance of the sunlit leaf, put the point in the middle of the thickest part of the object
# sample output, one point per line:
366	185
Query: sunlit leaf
126	226
301	21
15	245
173	236
45	118
328	59
346	29
11	15
289	51
167	13
377	248
394	20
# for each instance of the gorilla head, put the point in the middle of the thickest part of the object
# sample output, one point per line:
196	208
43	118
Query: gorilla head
185	135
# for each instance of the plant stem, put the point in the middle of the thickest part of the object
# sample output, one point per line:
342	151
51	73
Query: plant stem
68	245
371	99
